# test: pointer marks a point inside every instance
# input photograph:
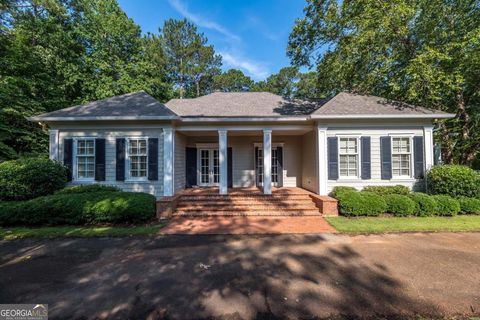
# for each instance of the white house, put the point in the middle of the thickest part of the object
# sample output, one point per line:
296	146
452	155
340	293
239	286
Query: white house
243	140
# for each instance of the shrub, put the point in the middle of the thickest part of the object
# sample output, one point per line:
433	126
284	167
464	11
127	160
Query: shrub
446	205
453	180
30	178
469	205
384	190
80	208
361	204
425	205
88	188
400	205
337	191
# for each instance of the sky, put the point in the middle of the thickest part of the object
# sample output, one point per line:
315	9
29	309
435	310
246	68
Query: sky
250	35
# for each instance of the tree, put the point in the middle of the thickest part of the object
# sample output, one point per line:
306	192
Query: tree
232	80
307	86
424	52
190	61
57	53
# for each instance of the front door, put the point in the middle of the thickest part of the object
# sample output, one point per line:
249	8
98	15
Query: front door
209	167
277	166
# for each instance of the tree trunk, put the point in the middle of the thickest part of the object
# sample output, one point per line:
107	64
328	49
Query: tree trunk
197	84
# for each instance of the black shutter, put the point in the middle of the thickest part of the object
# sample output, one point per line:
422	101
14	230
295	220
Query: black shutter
386	157
332	149
366	158
191	167
230	167
280	166
68	157
100	159
153	159
120	159
418	158
257	180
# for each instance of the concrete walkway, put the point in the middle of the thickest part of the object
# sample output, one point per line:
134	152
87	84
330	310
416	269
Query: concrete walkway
246	277
248	225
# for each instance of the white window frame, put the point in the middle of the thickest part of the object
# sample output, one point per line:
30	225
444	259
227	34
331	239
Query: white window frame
357	138
410	139
75	160
129	178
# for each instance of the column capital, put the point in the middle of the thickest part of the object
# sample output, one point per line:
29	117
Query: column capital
222	132
267	131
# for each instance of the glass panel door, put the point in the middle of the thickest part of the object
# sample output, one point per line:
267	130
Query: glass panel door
204	167
209	164
259	166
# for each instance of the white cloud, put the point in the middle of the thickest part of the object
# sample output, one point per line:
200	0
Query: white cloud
201	21
256	70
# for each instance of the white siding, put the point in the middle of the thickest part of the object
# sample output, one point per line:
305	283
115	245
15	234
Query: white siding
152	187
375	134
309	162
179	176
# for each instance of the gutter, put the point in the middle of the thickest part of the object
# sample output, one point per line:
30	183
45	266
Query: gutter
89	118
386	116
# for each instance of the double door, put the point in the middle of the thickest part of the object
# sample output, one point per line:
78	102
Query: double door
209	167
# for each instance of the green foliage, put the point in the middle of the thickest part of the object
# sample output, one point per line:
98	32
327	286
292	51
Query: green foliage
87	188
424	52
453	180
469	205
425	205
354	203
446	206
79	208
191	64
28	178
337	191
385	190
400	205
232	80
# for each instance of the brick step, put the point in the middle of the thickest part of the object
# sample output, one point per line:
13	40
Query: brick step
243	202
243	197
246	213
246	208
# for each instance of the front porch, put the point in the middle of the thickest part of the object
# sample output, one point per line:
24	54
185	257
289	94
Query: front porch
262	160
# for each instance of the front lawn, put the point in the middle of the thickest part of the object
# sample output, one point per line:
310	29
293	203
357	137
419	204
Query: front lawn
75	231
405	224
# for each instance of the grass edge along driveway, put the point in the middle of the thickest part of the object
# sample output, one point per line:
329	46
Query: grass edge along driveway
78	231
405	224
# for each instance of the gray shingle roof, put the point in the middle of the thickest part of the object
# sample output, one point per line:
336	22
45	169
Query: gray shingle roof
142	106
241	104
136	105
356	105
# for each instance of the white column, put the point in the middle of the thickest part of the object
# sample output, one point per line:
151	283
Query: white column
428	142
322	160
222	144
267	161
168	162
53	144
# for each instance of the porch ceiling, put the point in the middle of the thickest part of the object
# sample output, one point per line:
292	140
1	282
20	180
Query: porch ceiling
243	133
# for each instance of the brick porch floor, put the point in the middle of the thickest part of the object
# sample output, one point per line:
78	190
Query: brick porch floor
247	225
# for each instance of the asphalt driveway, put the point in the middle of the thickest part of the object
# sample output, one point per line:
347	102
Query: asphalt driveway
246	277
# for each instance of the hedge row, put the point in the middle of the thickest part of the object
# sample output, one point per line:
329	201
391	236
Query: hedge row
367	203
29	178
79	208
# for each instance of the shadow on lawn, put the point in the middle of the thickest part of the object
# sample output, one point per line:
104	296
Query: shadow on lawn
231	277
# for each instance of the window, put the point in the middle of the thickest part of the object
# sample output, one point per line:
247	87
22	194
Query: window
85	159
137	158
348	154
401	157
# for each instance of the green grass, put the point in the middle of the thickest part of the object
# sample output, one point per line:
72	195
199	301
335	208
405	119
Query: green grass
74	231
405	224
